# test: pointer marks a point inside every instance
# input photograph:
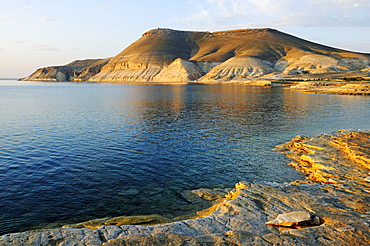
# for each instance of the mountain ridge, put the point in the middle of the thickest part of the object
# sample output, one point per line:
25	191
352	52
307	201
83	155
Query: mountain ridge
232	55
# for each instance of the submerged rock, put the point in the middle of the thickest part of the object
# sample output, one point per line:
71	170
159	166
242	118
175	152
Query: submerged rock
211	194
240	218
129	192
121	220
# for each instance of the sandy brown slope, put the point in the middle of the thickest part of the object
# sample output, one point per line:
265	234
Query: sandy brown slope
224	56
228	55
145	58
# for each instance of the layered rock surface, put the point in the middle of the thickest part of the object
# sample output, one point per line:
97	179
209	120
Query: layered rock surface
359	88
81	70
179	71
336	166
221	56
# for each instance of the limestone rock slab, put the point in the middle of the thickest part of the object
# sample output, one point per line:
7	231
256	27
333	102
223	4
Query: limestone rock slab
291	219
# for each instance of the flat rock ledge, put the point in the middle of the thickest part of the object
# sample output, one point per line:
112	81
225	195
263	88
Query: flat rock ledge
359	88
335	191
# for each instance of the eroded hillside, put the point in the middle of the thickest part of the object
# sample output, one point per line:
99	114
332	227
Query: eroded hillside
165	55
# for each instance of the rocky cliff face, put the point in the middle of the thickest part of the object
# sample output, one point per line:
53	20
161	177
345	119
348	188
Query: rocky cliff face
179	70
163	55
75	71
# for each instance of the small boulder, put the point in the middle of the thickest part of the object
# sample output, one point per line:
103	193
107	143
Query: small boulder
295	218
316	221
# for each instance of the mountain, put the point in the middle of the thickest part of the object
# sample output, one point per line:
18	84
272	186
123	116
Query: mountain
80	70
166	55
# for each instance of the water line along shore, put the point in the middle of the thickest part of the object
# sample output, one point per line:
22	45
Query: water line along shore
336	189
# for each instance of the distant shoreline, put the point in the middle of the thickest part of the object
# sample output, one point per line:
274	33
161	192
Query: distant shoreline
354	87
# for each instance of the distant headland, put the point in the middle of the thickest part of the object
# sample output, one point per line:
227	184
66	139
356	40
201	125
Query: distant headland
166	55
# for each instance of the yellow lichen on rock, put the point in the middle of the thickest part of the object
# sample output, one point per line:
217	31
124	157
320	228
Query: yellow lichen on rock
242	185
311	146
233	194
208	211
137	220
352	150
318	157
338	158
313	171
302	153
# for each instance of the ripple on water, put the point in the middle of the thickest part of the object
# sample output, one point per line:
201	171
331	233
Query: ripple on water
84	151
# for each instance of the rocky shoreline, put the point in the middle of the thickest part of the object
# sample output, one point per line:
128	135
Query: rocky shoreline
336	190
356	88
351	87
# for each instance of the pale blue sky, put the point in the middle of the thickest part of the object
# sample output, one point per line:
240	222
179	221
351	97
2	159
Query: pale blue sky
38	33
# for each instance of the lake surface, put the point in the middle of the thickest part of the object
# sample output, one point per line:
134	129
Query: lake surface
89	150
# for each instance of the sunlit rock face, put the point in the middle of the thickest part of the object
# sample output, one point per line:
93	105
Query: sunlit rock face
216	56
239	68
228	55
179	71
361	88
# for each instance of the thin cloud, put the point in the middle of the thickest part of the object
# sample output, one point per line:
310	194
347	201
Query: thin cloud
101	7
254	13
7	17
28	45
20	41
341	4
44	47
46	19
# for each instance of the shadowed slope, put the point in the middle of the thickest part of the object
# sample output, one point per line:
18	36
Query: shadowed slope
145	58
80	70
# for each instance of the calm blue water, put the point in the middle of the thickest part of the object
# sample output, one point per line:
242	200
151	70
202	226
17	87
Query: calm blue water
90	150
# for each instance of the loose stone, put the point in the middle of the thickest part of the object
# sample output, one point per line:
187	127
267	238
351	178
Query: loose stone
315	220
291	219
